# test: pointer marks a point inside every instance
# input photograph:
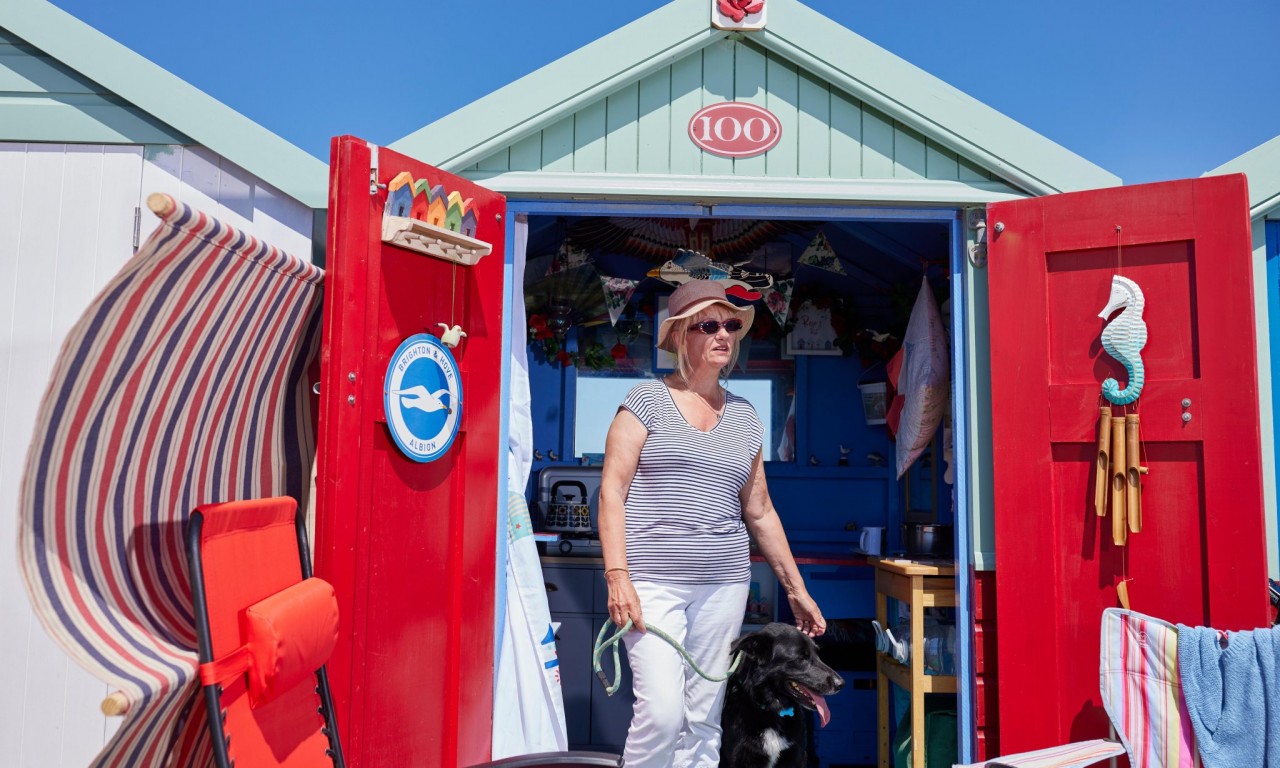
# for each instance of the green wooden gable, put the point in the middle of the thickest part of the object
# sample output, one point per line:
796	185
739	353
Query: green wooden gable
1262	167
62	81
858	123
41	99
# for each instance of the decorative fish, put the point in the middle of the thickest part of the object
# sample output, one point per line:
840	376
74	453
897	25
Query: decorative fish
1124	338
691	265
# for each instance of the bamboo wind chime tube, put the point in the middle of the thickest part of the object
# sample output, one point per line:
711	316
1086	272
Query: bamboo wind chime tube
1133	474
1103	476
1119	525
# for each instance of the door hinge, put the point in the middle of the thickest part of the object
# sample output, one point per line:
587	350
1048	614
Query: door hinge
374	186
137	226
976	224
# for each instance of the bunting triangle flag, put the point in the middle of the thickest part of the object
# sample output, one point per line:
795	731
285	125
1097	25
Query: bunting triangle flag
567	258
819	254
617	292
778	300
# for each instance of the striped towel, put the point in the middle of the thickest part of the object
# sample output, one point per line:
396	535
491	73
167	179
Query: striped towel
185	382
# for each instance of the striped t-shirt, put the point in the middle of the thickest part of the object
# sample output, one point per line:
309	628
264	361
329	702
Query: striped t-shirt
684	508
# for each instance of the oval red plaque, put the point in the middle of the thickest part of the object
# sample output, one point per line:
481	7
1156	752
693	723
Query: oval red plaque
735	129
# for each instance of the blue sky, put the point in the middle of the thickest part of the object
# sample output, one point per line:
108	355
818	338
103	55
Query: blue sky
1148	90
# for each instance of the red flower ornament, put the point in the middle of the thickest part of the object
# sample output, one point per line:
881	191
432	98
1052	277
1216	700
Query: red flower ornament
740	9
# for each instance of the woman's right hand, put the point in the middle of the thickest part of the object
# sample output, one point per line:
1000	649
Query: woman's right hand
624	603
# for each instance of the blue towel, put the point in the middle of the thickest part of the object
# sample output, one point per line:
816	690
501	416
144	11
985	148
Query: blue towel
1232	694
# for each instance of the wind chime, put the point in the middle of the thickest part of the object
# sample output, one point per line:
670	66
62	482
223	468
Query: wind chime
1119	471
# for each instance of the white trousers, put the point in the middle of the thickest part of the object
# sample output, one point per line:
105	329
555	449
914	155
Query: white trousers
676	719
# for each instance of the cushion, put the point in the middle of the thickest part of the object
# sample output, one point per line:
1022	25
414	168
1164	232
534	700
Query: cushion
289	635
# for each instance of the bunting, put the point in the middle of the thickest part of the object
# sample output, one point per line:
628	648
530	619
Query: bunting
568	258
819	254
778	300
617	292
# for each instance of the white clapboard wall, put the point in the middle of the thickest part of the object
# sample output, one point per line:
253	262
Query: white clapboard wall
67	225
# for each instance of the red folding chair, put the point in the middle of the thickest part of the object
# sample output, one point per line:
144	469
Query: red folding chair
266	627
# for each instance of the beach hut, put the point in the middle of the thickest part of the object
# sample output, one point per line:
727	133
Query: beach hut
88	129
788	145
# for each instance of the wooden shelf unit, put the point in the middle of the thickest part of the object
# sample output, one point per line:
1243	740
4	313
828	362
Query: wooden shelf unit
919	585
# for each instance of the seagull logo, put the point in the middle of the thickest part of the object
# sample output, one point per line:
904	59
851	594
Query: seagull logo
420	399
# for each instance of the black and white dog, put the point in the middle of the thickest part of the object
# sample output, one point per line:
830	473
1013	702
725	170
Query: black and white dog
780	676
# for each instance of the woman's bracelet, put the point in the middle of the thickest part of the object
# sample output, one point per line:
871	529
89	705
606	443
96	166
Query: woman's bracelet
607	571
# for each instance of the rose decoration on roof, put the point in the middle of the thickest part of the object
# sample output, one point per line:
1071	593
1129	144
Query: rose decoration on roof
740	9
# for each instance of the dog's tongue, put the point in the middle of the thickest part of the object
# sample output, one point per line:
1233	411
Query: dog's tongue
821	704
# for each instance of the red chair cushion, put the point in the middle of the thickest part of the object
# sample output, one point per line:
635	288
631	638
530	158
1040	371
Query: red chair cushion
290	635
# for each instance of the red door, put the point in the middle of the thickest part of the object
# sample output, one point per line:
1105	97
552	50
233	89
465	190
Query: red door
409	546
1200	557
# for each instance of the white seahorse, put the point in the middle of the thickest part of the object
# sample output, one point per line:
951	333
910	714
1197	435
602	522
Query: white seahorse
1124	338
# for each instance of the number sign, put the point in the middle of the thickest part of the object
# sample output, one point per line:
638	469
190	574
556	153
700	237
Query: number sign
735	129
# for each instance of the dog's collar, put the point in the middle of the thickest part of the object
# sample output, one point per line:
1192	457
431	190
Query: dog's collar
788	712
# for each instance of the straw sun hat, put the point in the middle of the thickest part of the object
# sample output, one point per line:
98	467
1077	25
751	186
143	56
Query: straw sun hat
693	297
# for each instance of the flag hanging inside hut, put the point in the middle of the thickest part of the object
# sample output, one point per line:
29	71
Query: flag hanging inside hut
617	292
185	382
820	254
778	300
567	258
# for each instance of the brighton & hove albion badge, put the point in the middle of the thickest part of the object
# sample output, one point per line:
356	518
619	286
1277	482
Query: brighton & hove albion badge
422	396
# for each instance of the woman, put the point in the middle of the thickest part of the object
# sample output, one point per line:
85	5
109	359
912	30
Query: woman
682	485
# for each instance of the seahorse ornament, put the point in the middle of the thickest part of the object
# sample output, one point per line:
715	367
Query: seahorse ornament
1124	338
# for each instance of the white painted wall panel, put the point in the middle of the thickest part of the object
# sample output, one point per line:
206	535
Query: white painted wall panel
15	613
281	220
66	228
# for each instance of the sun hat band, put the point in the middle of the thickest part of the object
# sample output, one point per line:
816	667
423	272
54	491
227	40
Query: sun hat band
693	297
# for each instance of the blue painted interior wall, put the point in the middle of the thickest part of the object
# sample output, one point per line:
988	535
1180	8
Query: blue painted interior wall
819	505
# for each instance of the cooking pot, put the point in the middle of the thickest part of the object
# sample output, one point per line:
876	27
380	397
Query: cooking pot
568	512
928	540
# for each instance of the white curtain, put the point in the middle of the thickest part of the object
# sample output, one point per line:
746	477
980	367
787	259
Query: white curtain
528	714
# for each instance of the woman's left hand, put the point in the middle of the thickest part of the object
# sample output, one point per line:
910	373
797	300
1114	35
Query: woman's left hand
808	618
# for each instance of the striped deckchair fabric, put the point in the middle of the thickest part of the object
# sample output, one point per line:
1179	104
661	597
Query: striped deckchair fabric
1142	693
185	382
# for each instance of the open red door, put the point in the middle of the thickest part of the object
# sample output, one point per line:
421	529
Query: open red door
1200	557
408	456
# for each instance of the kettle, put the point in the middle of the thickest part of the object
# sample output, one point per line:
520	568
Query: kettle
568	512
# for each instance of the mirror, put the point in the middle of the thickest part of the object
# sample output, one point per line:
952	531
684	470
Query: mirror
766	381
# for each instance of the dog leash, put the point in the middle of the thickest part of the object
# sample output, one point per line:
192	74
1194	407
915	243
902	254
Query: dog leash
616	639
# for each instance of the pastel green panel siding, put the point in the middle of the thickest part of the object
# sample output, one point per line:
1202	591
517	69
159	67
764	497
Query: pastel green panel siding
42	100
643	127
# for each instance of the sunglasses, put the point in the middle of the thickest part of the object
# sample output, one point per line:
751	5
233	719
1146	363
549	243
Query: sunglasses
732	325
